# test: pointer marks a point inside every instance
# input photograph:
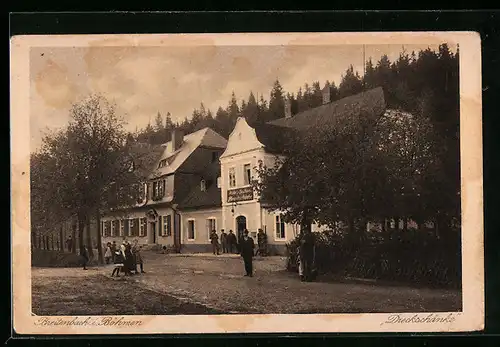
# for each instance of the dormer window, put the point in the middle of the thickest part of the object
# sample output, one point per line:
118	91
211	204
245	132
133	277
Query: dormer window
203	185
162	163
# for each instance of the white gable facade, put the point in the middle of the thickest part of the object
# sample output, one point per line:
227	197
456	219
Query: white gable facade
240	206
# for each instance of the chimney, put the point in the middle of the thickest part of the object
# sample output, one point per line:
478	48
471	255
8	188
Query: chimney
288	108
177	138
326	94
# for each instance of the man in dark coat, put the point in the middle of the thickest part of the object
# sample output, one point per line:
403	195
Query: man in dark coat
223	241
69	244
231	241
85	256
306	253
129	259
246	250
214	239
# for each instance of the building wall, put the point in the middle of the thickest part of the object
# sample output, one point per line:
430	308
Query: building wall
155	233
201	240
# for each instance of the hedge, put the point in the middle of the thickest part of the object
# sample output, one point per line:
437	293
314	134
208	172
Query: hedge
413	257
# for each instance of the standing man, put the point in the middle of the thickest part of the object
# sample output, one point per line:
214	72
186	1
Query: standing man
85	256
306	252
223	241
231	241
214	239
69	244
246	250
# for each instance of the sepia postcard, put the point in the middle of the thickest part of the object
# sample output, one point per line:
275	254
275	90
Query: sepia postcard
247	183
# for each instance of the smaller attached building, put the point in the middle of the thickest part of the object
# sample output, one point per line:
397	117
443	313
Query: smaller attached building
201	211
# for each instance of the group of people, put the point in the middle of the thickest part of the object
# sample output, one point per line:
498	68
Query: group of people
245	246
126	258
229	243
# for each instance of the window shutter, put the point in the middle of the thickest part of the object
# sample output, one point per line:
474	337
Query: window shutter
160	225
145	226
164	184
208	228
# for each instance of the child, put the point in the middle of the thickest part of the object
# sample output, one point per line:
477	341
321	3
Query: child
118	264
108	255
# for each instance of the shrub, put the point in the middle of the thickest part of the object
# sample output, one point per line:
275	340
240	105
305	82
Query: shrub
414	256
52	258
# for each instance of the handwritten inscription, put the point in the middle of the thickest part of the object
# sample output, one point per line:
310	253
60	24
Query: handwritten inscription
240	194
420	318
88	321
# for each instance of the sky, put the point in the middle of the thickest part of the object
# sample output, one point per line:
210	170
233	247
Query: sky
143	81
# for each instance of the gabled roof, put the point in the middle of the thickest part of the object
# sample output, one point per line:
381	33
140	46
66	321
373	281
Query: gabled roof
204	137
145	156
211	197
371	102
273	137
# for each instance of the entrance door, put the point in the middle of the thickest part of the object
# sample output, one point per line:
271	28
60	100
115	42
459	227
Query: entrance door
241	225
153	231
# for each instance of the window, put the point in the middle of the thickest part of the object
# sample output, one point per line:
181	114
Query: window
190	231
211	225
159	189
203	185
107	228
218	182
280	228
167	225
122	227
162	163
247	174
142	229
115	225
130	227
232	178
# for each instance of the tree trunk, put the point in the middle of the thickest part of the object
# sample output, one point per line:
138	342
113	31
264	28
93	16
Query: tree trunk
52	241
81	228
33	240
384	225
73	236
61	238
99	240
89	237
405	224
